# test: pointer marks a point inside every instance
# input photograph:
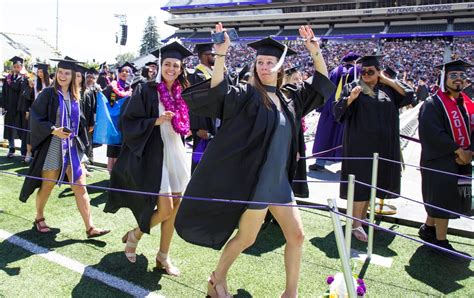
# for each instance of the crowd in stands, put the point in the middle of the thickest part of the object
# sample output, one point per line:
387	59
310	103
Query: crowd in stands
413	58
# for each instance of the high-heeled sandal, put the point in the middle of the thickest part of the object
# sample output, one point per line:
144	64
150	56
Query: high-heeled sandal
41	225
212	290
359	234
130	242
163	261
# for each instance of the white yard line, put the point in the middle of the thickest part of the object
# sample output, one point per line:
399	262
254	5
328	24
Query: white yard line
73	265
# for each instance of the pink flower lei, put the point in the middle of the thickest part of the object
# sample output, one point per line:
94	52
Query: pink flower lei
175	103
119	90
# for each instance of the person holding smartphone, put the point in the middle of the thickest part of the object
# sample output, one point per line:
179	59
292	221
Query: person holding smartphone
58	137
253	156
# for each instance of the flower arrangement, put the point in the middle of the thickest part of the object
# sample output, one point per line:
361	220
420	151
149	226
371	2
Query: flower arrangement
337	286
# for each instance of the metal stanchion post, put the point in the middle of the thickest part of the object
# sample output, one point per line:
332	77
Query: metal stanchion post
346	266
373	191
350	206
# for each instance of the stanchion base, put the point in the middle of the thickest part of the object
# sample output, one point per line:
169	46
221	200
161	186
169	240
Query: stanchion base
375	259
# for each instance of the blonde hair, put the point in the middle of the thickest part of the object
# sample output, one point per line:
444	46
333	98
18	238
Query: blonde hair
73	88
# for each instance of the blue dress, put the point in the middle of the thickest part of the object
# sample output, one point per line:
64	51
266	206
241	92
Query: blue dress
273	184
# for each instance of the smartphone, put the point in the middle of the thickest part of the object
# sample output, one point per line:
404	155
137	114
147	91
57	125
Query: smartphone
65	129
218	37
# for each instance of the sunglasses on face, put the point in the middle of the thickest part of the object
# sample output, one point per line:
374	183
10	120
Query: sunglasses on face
369	72
456	75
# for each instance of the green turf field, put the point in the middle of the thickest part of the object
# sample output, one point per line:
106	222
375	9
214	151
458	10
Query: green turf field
259	272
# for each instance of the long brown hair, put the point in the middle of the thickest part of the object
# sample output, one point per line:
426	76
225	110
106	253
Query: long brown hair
182	78
73	88
257	84
40	81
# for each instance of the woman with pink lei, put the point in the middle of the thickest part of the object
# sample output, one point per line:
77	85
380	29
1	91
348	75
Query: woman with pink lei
153	155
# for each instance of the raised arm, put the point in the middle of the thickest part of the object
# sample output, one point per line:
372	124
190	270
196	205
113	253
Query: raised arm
221	52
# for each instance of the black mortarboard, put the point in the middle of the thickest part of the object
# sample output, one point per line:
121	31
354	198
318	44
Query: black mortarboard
66	63
390	72
16	59
92	71
270	47
102	65
154	62
42	66
370	60
69	58
456	65
172	50
203	47
243	72
81	69
132	67
291	70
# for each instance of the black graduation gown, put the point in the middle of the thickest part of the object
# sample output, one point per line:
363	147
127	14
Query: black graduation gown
102	80
437	152
42	116
89	108
371	125
198	122
27	96
11	97
140	162
230	167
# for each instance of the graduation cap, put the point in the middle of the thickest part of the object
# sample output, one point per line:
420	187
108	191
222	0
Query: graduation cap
132	67
456	65
172	50
243	73
154	62
351	56
390	72
270	47
44	67
291	70
370	60
67	63
81	69
203	47
92	71
16	59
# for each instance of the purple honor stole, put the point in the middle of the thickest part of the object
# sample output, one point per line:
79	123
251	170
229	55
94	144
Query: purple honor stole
70	119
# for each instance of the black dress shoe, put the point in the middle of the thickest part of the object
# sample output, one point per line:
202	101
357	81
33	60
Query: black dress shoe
427	233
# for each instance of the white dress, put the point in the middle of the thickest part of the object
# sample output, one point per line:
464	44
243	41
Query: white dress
175	175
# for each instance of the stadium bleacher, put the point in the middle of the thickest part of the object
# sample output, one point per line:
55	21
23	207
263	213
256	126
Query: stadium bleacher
357	30
417	28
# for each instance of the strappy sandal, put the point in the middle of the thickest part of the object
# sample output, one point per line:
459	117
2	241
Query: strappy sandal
130	242
163	261
95	235
359	234
212	290
41	228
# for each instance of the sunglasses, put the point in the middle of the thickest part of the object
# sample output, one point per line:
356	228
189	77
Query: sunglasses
456	75
369	72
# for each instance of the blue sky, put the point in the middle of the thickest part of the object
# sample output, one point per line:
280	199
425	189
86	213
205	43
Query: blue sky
86	27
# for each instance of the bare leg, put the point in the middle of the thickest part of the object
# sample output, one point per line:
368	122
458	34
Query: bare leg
441	228
430	221
44	191
110	163
290	222
82	199
249	226
164	211
167	226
